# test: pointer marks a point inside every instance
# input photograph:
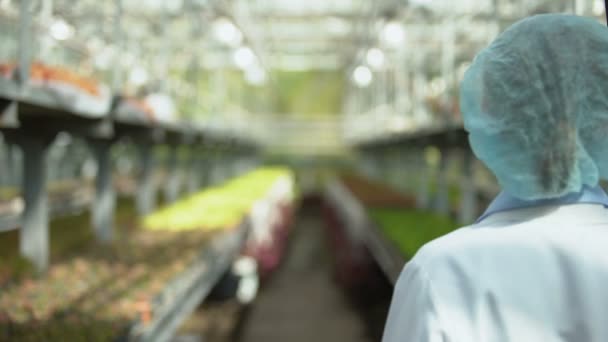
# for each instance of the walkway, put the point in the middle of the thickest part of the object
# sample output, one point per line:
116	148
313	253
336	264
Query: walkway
301	302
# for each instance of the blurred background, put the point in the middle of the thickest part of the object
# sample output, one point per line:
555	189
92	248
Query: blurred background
231	170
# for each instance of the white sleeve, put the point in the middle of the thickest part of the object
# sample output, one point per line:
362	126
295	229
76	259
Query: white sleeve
413	315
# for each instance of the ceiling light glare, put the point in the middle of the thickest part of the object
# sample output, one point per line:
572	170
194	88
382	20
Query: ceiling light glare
104	58
226	32
399	123
375	58
155	6
337	26
127	59
174	6
243	57
598	7
362	76
60	30
138	76
393	34
420	2
255	76
95	44
6	5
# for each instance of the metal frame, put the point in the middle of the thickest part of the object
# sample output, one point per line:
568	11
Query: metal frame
182	295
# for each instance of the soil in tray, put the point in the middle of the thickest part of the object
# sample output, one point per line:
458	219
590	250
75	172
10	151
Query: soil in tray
58	192
396	216
214	321
372	194
92	292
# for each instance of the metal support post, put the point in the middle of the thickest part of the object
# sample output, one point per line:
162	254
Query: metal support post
236	162
195	178
146	191
442	202
34	233
405	170
448	57
172	186
241	168
402	86
423	171
117	37
195	166
421	115
374	168
13	164
468	204
104	205
242	163
54	164
230	165
4	163
25	41
233	161
225	167
217	169
206	169
392	168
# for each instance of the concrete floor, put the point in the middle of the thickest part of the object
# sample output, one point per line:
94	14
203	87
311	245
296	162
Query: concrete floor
301	302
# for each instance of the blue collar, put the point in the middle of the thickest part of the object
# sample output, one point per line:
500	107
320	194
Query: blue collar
505	202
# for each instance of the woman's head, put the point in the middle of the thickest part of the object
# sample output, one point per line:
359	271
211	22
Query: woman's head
535	104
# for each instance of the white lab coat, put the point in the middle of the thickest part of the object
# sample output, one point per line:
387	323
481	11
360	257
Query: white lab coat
535	274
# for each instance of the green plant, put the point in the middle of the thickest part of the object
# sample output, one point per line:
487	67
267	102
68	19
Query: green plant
411	229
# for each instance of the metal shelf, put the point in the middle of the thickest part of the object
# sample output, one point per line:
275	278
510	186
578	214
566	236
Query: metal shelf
73	204
446	136
31	117
361	227
182	295
43	100
42	109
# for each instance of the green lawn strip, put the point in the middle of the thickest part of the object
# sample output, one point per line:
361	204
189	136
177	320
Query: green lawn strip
411	229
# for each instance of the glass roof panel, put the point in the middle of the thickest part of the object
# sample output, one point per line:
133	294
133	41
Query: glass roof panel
314	7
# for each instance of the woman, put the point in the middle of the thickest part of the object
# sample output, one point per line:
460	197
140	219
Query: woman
534	267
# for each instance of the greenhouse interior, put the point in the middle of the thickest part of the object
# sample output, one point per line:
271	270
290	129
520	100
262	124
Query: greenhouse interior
232	170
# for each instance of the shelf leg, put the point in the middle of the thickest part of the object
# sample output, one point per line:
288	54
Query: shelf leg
205	171
25	41
423	197
442	202
468	206
243	164
146	190
195	172
34	233
12	164
104	204
215	170
232	166
172	186
410	176
4	163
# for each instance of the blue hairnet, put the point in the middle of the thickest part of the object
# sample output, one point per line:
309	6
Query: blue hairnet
535	104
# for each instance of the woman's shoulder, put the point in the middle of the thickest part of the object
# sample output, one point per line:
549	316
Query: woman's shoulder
469	246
